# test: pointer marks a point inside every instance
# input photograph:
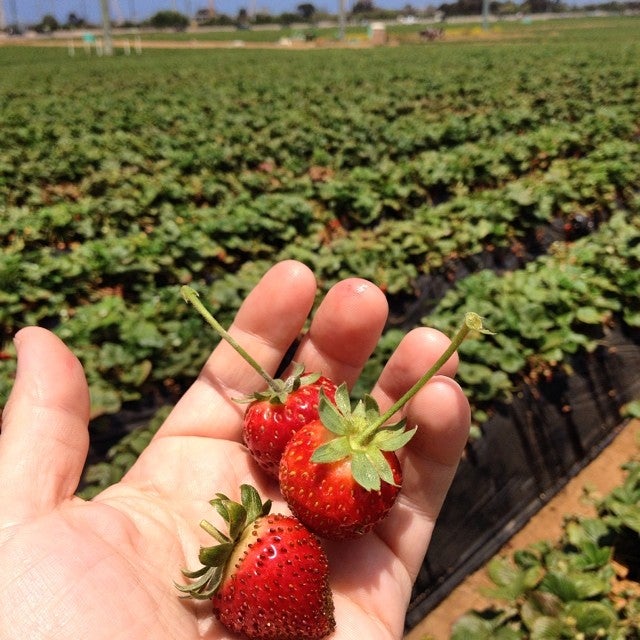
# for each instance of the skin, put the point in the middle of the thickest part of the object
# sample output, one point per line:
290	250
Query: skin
104	569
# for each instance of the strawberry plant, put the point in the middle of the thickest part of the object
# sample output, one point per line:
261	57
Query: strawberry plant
547	311
583	586
392	185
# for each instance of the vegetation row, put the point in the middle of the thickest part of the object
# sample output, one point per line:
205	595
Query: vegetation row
122	179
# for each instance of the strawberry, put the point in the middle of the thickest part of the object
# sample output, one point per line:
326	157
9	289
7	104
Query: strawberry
340	474
267	578
275	414
337	478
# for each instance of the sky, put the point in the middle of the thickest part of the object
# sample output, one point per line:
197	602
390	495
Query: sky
30	11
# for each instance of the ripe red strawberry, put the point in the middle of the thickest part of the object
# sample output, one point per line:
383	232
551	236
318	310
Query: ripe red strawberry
268	578
339	481
340	475
275	415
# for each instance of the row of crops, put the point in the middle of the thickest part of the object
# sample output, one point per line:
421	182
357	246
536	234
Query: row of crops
500	177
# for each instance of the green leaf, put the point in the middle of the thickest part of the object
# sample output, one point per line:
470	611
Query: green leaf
393	439
252	502
589	315
560	585
593	618
381	465
334	450
364	471
217	555
489	625
330	416
545	628
198	573
502	572
629	514
472	627
237	519
631	317
585	531
631	409
343	401
371	408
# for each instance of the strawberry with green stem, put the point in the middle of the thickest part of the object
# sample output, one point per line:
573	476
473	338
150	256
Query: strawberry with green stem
275	414
267	577
340	474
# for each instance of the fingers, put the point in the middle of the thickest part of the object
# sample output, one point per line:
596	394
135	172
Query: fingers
266	325
442	414
345	330
44	438
342	335
416	354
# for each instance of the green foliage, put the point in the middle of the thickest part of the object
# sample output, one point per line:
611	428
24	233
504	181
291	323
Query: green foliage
546	311
122	179
584	586
169	20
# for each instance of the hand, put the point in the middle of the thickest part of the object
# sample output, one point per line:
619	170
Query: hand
104	569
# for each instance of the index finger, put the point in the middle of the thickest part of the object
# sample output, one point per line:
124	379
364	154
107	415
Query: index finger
267	323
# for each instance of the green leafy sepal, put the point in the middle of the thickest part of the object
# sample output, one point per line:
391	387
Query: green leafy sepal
360	438
280	389
238	516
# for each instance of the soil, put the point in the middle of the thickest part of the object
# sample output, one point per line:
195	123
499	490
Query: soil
601	476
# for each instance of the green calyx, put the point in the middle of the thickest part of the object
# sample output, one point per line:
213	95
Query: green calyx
362	434
280	389
360	438
238	516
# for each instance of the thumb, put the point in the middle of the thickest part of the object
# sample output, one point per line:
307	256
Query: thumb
44	438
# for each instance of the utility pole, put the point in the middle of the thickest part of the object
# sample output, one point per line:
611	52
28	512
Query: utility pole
341	19
485	14
13	11
106	28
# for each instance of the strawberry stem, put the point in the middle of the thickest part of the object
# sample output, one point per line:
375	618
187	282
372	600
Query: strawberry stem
472	322
191	296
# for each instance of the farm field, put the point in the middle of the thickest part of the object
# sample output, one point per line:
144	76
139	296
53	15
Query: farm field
494	174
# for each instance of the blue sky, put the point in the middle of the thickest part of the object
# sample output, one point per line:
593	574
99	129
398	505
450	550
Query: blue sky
30	11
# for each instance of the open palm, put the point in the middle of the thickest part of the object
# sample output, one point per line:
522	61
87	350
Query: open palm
104	568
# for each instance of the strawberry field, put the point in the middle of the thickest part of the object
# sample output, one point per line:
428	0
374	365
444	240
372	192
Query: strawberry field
494	176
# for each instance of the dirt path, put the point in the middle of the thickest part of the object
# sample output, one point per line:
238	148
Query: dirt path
603	475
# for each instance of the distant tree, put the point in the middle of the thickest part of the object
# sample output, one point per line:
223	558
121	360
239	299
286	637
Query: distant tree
264	17
363	6
242	21
169	20
48	24
462	8
307	11
287	18
543	6
74	21
509	7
